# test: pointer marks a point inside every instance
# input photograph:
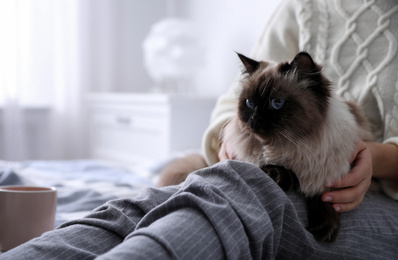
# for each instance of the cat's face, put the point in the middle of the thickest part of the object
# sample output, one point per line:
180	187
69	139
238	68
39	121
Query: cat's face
285	100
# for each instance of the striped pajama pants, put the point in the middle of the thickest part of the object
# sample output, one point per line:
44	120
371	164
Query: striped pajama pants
229	211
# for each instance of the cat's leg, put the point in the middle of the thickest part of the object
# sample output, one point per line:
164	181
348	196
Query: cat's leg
323	220
286	179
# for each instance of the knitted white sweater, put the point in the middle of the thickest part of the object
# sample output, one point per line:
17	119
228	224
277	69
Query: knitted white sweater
355	41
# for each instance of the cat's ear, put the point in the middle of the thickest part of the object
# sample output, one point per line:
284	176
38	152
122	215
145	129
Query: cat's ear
307	69
304	64
250	65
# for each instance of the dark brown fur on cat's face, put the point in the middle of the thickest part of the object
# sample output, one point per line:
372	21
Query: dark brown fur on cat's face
280	99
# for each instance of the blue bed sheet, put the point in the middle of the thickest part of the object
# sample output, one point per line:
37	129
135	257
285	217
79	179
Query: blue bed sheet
82	185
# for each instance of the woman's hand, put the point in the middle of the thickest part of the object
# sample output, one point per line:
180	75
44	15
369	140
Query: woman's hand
225	152
355	184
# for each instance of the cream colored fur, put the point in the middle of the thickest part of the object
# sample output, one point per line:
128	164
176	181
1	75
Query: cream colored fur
321	158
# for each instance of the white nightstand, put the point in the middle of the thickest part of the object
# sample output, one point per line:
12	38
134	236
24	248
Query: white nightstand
130	128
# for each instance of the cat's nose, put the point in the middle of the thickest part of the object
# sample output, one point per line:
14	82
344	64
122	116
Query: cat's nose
253	122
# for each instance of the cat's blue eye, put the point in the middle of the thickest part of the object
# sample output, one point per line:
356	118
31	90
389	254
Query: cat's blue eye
277	103
249	104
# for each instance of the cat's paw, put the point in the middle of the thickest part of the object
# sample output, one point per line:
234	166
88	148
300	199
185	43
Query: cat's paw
286	179
273	171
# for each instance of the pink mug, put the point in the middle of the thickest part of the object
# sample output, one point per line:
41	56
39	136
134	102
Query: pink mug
25	213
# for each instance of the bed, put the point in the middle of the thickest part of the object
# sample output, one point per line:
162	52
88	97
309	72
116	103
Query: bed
82	185
86	184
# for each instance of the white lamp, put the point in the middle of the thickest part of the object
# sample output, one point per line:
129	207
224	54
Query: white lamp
172	54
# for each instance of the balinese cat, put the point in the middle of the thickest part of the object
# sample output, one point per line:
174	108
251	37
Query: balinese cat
291	124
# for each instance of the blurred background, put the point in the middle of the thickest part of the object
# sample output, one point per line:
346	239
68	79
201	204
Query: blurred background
58	57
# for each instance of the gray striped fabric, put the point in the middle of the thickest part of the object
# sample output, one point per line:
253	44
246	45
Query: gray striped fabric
231	210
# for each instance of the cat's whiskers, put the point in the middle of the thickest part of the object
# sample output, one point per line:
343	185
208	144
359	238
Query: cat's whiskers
267	82
295	139
263	92
281	146
243	131
313	73
301	140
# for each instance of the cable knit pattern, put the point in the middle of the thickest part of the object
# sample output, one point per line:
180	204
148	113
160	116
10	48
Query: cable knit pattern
323	31
358	55
383	25
356	42
305	15
350	33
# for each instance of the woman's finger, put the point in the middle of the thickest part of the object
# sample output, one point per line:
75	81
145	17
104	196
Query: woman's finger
224	153
347	206
347	195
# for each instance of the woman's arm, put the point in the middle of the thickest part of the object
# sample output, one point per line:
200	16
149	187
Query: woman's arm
384	160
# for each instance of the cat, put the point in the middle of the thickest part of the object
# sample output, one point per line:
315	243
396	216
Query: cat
291	124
